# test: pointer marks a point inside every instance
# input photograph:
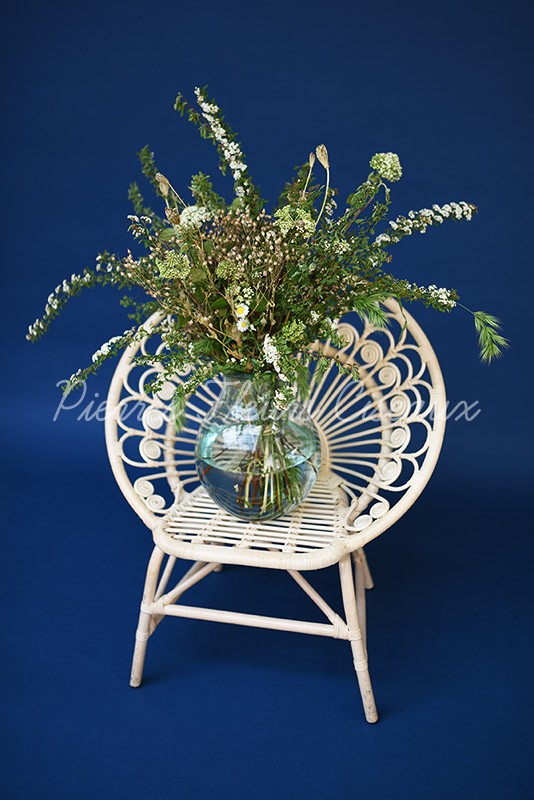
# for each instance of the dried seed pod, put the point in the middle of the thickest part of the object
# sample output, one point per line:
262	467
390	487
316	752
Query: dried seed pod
173	215
322	155
163	184
311	159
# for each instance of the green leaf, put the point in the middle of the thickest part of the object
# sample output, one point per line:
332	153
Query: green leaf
197	275
220	304
167	233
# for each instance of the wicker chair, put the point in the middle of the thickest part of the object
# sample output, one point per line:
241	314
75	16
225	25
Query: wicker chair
380	439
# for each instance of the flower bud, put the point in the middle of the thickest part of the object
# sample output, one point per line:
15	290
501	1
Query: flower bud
322	155
173	215
163	184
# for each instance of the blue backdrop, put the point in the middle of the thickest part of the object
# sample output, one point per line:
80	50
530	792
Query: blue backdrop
227	711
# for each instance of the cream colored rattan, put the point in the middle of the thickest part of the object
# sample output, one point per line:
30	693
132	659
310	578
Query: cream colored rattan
380	440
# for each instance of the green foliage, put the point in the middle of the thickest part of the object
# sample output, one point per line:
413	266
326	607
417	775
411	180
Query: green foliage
241	290
212	125
369	308
148	166
297	219
292	193
202	190
174	266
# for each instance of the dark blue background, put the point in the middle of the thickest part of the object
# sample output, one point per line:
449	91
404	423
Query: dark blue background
227	711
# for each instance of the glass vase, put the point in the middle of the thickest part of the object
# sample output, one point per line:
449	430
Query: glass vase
255	460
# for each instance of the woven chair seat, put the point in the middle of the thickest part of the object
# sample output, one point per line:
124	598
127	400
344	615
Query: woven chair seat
311	537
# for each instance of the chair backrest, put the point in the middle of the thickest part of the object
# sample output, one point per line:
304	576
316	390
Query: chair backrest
381	434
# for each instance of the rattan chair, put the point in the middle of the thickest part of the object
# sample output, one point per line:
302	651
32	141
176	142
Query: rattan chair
380	439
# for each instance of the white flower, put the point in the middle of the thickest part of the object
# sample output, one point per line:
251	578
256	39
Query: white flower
105	349
74	378
441	295
194	216
284	397
241	310
242	324
387	165
269	350
294	218
231	150
280	400
382	239
244	294
340	248
272	356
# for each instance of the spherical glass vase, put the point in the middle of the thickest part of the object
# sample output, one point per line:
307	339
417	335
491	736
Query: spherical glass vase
255	460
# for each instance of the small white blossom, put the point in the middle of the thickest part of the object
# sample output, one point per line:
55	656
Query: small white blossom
231	150
241	310
194	216
105	349
387	165
382	239
244	295
420	220
283	397
442	295
272	356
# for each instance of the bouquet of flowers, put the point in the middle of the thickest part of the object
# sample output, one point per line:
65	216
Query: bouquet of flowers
245	290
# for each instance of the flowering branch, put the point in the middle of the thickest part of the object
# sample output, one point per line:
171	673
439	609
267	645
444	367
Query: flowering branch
243	290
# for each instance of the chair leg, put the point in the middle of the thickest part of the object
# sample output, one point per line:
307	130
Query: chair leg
358	559
356	639
143	628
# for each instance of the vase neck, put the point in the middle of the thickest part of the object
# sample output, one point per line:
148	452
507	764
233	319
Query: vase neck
248	397
248	386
